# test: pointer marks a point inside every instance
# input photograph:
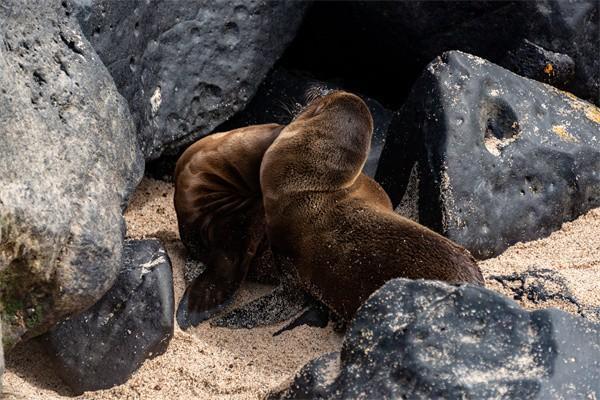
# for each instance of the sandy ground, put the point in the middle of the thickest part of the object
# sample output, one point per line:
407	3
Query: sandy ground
208	362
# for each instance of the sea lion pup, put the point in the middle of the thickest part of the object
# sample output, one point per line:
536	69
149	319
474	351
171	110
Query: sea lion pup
332	227
220	214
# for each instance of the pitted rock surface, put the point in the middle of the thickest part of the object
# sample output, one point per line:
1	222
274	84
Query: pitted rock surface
500	158
187	66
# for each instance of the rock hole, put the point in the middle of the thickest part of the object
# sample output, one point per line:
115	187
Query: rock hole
500	125
231	34
38	77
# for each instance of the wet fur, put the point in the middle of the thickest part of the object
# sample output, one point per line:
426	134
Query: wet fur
332	227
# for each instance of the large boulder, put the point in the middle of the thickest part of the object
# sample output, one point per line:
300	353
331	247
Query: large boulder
186	66
426	339
104	345
494	30
496	158
69	162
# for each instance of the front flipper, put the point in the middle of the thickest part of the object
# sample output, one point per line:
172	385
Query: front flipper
283	303
210	292
315	315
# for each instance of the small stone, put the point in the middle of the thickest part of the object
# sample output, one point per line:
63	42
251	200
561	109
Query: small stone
103	346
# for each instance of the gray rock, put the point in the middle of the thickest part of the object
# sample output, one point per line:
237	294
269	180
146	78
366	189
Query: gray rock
103	346
69	162
187	66
501	158
426	339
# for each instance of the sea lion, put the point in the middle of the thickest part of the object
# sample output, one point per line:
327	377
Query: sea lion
220	215
333	228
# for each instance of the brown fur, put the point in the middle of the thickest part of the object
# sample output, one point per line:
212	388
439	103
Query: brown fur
333	227
220	214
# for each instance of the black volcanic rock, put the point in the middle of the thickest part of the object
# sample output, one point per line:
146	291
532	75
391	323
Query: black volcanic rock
535	62
426	339
104	345
498	158
187	66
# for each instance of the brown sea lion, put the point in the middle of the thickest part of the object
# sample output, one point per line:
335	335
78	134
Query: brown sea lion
332	227
220	215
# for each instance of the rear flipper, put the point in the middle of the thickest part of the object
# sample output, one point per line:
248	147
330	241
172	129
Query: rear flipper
315	315
283	303
210	293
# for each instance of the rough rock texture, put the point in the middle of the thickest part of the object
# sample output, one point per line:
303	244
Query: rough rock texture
186	66
492	30
425	339
103	346
283	94
500	158
69	162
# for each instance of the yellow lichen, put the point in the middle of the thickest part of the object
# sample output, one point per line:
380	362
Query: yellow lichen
593	113
548	69
562	132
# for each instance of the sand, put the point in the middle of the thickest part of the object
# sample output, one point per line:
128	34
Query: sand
207	362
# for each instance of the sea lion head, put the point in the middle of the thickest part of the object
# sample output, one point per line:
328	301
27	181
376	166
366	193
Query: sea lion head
323	149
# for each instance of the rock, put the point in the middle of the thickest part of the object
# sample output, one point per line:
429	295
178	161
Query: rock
187	66
492	30
103	346
69	163
499	158
426	339
535	62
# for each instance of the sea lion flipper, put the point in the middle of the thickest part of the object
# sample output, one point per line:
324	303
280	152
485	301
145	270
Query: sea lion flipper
210	293
314	315
283	303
